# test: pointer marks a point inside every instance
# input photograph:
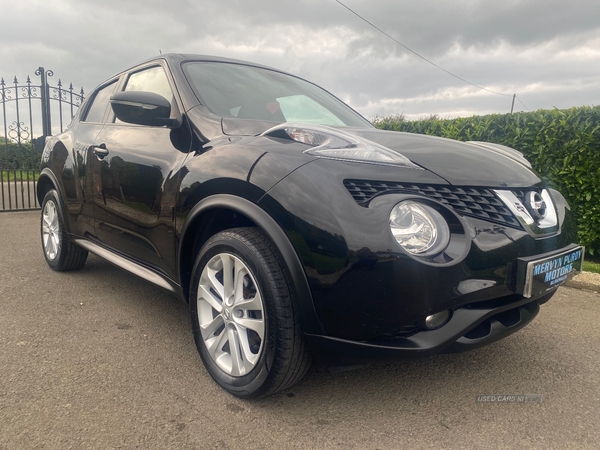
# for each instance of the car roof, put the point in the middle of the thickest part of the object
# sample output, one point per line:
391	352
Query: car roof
175	59
178	58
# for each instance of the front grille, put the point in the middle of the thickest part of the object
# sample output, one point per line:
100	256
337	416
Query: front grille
475	202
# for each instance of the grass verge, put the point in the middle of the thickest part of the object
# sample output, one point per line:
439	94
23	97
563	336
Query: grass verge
591	266
25	175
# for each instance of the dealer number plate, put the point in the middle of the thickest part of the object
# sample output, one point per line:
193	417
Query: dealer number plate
543	273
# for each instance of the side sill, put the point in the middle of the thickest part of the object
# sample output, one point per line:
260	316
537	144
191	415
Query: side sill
128	265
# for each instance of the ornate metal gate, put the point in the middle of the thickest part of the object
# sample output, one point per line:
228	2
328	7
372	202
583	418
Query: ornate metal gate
27	115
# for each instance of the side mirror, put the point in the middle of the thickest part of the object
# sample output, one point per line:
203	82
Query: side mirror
142	108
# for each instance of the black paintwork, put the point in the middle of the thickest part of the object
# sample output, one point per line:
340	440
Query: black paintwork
152	195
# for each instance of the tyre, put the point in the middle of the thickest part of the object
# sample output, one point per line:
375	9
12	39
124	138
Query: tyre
244	317
60	253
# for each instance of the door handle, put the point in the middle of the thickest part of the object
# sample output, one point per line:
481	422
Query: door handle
100	150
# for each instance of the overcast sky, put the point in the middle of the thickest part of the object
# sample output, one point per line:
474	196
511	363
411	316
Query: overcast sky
545	51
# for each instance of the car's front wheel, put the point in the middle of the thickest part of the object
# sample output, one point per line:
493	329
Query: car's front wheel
244	317
60	253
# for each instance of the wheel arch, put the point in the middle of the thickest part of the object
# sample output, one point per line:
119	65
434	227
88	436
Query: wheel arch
223	211
47	181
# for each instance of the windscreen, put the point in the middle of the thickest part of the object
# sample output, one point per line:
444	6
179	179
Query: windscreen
247	92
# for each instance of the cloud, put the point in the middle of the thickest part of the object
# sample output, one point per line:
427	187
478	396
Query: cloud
548	52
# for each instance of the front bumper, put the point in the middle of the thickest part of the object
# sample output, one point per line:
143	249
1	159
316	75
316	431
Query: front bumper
370	296
470	327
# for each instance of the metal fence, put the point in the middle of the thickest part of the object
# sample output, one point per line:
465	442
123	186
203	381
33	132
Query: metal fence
18	190
28	111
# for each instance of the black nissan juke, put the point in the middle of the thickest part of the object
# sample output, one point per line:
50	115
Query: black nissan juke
293	227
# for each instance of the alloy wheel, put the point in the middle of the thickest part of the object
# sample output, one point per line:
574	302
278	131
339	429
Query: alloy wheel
50	230
231	314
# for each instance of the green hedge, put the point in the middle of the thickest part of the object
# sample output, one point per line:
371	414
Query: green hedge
14	157
562	145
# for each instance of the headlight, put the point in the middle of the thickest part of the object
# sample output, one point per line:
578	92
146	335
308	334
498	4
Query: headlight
419	229
327	142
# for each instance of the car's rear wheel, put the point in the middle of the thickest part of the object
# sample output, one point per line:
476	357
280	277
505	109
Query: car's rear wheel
244	317
60	253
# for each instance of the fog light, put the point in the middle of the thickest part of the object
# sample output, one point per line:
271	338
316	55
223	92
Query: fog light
436	320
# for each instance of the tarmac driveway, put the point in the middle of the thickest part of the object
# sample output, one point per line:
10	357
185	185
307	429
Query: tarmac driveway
101	359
